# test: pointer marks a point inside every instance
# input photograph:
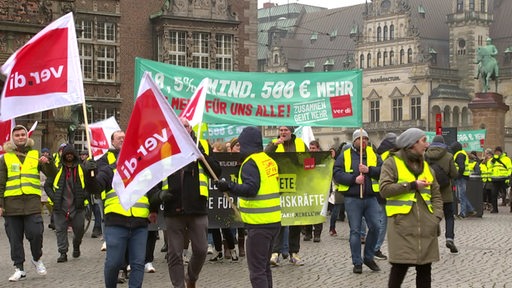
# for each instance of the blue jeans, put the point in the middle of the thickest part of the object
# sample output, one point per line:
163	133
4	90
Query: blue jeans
465	205
383	225
119	239
357	209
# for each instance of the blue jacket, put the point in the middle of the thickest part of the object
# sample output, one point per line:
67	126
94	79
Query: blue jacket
340	176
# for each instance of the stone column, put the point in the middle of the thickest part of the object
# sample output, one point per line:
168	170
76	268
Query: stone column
489	113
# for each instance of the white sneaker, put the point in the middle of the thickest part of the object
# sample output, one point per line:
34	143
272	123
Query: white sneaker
274	260
41	270
104	246
210	249
128	268
18	275
148	268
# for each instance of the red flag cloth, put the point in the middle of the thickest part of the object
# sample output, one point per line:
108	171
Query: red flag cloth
195	106
32	129
45	73
101	133
156	145
5	132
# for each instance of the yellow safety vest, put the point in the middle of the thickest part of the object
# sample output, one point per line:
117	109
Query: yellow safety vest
22	178
80	174
56	159
371	160
265	208
113	205
384	155
467	170
485	172
402	204
203	178
299	146
111	158
501	168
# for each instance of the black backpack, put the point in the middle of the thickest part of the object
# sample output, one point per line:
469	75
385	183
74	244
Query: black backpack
441	176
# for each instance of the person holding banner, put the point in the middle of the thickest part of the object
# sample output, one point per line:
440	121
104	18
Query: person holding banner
313	231
357	171
414	207
20	199
260	204
186	211
287	142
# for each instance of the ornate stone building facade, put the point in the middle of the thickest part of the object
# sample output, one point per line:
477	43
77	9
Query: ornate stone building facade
418	59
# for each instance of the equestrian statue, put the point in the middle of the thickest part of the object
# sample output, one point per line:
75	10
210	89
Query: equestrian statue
487	68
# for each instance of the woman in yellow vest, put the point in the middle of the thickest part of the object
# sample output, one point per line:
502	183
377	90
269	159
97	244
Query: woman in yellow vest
414	207
260	205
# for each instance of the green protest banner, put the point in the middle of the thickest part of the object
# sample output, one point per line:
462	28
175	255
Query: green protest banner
471	140
305	181
332	99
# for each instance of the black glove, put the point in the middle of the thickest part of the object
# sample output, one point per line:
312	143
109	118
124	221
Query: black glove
165	196
224	185
91	165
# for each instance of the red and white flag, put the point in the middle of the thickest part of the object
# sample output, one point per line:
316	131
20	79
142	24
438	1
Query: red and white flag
5	132
195	106
101	133
156	145
45	73
32	129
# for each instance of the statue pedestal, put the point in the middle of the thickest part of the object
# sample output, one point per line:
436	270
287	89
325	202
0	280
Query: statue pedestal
489	111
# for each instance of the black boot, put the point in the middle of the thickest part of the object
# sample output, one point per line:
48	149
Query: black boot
76	251
62	258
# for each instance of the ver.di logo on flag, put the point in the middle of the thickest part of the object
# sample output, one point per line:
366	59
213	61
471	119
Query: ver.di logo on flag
32	77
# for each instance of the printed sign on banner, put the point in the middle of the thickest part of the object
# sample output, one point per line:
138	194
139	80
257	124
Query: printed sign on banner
331	99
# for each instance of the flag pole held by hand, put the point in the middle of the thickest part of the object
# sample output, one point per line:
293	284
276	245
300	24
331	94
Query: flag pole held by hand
235	210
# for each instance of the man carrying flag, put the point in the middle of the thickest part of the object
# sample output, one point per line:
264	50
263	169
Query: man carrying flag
20	199
186	211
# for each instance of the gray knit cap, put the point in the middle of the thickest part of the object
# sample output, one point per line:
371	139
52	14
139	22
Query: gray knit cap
438	139
359	133
409	137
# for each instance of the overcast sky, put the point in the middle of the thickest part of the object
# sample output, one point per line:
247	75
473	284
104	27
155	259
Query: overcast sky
320	3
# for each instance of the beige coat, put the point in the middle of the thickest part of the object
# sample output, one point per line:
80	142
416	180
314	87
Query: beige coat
412	238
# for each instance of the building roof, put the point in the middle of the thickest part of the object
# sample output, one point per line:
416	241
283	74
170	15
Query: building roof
315	29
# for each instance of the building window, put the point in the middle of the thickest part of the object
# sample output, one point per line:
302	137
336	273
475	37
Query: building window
369	61
391	32
402	53
178	49
391	57
361	61
86	60
224	56
385	60
374	111
106	63
98	46
471	5
379	32
385	33
106	31
397	110
200	50
415	108
482	6
379	57
409	55
460	5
